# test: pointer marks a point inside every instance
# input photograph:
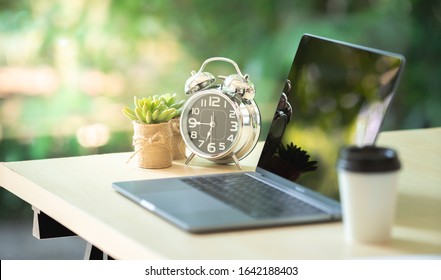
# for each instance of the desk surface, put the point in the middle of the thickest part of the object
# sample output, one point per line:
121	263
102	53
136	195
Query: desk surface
77	192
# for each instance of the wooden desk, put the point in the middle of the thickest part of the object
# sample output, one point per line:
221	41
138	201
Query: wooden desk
77	193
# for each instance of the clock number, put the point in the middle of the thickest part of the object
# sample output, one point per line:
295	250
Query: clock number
214	101
195	111
230	138
201	142
234	126
192	122
211	147
193	135
204	102
232	114
221	146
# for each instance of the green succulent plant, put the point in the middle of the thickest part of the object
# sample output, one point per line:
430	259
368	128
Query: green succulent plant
154	109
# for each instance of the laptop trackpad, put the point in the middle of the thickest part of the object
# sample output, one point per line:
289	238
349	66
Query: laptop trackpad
195	210
183	201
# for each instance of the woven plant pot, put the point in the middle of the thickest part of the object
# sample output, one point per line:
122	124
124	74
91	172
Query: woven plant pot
178	145
152	144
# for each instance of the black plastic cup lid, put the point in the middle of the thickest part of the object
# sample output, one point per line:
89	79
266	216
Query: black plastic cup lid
368	159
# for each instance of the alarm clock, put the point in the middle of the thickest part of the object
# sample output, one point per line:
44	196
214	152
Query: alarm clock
220	121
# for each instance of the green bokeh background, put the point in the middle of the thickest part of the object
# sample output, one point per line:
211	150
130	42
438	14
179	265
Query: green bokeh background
67	67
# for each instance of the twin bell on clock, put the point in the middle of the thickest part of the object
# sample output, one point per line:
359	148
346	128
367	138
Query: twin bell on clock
220	120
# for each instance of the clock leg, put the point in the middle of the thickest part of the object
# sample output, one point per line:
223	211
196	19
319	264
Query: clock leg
236	161
190	157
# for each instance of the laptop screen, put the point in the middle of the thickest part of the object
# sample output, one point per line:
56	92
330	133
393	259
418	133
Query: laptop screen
336	94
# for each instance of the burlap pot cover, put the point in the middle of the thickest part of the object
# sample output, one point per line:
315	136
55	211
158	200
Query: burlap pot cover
152	144
178	145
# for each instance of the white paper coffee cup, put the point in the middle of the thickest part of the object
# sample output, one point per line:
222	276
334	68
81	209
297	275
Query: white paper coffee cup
368	179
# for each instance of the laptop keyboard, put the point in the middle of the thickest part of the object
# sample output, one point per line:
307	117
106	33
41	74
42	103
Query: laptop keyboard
251	196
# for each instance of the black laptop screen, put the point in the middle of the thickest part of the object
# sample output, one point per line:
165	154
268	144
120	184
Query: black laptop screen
336	94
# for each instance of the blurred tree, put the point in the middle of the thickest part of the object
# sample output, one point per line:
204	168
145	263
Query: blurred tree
418	102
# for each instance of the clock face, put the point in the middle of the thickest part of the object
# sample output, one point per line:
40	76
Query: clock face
211	124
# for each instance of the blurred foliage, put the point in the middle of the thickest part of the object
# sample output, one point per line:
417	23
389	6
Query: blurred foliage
94	56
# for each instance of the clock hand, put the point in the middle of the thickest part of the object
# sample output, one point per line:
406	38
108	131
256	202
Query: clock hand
212	124
199	123
212	119
210	132
208	135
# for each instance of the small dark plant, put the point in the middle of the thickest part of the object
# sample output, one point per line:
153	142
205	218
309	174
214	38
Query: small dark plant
296	157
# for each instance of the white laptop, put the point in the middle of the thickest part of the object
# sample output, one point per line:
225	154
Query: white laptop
336	94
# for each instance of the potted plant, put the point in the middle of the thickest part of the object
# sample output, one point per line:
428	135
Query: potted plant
178	145
153	137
